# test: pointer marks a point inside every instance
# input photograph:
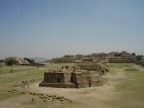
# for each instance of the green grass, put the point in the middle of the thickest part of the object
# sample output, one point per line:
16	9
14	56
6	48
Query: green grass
21	73
15	68
5	94
131	88
120	65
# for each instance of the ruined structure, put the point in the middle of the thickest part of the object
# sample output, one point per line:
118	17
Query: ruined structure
79	79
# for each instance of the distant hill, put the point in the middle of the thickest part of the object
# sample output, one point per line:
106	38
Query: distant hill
39	59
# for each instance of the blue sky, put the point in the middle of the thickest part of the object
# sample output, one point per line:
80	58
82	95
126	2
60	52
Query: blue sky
53	28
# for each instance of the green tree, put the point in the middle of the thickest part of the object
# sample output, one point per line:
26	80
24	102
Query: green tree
133	54
139	57
0	65
31	61
11	62
62	60
1	61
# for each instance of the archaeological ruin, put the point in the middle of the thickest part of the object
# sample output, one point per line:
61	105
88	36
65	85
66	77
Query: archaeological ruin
76	79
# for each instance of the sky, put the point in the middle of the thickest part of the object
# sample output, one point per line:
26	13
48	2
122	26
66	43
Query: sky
54	28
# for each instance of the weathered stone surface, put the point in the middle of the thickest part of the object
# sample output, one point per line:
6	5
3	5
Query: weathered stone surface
71	79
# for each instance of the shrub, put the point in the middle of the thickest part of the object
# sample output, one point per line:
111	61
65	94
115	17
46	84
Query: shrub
11	62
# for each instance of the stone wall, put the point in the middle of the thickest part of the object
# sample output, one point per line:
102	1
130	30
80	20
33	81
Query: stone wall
57	77
71	79
57	85
67	77
86	79
77	77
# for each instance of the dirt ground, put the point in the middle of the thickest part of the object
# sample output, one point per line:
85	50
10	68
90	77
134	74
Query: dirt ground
93	97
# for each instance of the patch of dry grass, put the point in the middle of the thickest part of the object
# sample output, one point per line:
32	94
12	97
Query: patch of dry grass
132	90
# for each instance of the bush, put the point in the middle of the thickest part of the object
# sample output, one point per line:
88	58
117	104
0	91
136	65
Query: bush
11	62
11	71
139	57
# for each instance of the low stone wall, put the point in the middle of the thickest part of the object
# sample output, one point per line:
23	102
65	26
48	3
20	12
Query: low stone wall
89	84
82	85
57	85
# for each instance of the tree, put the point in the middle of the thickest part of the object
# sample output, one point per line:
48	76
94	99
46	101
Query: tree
31	61
78	56
125	54
139	57
1	61
62	60
133	54
117	55
0	65
11	62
